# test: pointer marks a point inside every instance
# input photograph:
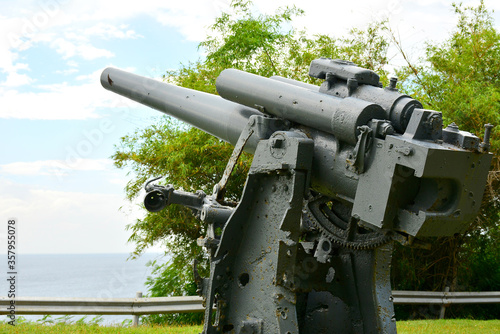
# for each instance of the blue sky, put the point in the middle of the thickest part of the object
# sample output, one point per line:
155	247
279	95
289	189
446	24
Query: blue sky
59	126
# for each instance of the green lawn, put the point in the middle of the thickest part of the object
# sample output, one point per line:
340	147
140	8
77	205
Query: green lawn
31	328
413	327
449	327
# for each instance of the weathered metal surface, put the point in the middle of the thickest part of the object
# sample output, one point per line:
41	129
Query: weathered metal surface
339	172
343	79
249	265
331	114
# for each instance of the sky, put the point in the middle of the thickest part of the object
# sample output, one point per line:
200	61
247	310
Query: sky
59	127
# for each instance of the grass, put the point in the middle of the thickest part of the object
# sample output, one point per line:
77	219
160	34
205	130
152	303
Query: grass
452	326
30	328
413	327
67	324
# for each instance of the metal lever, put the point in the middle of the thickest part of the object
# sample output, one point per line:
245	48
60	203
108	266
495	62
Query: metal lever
220	188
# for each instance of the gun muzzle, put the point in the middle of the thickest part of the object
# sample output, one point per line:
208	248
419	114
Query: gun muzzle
210	113
155	201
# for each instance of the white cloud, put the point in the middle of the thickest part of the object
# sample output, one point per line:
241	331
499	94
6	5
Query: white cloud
191	17
90	52
19	33
77	41
64	47
65	222
15	79
69	49
55	24
7	60
107	31
10	66
55	167
67	71
60	101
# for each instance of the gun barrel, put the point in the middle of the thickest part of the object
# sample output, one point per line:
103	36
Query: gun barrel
210	113
295	82
338	116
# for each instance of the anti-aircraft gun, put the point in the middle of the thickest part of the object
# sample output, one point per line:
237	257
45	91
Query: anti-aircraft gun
339	172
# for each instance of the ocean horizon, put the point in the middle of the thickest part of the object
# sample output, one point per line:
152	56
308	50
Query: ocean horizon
108	275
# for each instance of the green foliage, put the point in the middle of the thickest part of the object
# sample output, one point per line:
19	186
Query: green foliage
247	42
239	40
65	320
191	160
461	76
168	280
267	45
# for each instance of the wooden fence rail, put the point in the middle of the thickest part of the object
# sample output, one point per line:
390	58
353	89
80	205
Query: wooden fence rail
142	306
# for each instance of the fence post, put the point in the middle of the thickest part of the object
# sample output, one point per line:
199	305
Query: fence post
443	306
135	321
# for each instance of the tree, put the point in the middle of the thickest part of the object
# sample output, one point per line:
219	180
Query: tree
262	45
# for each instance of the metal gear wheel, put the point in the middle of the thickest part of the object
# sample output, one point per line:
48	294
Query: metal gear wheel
333	220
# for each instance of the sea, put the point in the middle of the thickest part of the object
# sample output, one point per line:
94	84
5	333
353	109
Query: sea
82	275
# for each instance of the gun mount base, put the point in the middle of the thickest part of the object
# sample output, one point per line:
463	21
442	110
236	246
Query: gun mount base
265	279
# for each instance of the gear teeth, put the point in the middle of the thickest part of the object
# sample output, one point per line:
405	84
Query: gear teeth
375	241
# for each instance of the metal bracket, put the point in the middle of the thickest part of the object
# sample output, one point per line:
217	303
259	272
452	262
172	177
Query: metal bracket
356	161
252	326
